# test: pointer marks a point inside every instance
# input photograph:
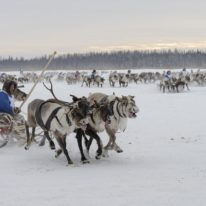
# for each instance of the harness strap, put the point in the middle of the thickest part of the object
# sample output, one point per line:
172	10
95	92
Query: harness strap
48	122
113	112
38	117
112	106
68	120
123	113
51	117
118	110
92	118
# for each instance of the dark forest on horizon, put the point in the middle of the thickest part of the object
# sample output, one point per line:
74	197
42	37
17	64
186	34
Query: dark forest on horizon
165	59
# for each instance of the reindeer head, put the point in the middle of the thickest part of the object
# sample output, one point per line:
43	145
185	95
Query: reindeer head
81	111
83	105
129	106
19	95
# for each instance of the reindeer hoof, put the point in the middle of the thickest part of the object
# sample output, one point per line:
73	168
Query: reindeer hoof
41	143
98	154
70	162
119	151
85	161
52	145
105	153
58	152
98	157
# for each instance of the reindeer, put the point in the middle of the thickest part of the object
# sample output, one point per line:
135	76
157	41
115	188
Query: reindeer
19	95
58	117
98	80
122	109
174	84
87	80
123	80
113	78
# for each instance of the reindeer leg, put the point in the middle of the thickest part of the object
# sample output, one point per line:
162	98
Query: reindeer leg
86	142
42	141
58	152
93	135
108	146
117	148
111	138
89	142
28	140
177	89
65	150
33	133
79	141
61	139
51	143
112	141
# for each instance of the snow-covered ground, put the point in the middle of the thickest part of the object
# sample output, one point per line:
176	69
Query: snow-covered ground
163	163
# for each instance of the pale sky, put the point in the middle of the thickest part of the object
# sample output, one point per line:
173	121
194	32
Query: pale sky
32	28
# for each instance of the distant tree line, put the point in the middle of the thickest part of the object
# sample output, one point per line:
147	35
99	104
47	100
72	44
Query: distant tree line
165	59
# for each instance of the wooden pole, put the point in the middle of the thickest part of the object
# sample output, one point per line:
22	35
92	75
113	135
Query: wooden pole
43	70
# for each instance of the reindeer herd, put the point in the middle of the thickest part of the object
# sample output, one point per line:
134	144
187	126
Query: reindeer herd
117	79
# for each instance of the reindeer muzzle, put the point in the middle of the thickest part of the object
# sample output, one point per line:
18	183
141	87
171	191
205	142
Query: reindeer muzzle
108	120
132	114
83	124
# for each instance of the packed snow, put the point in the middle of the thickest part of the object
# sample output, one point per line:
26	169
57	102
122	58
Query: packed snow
163	163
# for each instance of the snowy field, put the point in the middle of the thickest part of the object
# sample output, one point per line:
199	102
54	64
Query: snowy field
163	163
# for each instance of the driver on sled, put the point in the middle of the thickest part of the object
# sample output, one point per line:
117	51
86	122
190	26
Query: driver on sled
168	75
7	107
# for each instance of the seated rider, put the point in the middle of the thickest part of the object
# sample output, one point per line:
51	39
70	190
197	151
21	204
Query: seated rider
93	74
184	72
168	75
7	99
7	106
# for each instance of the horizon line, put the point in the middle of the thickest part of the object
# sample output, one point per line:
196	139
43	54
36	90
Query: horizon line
158	50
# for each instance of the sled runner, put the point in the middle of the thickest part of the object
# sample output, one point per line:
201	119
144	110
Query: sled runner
6	122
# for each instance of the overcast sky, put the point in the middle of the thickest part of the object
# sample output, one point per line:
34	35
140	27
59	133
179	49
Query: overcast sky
32	28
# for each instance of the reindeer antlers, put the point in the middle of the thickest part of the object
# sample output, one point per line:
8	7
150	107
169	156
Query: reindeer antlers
51	90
